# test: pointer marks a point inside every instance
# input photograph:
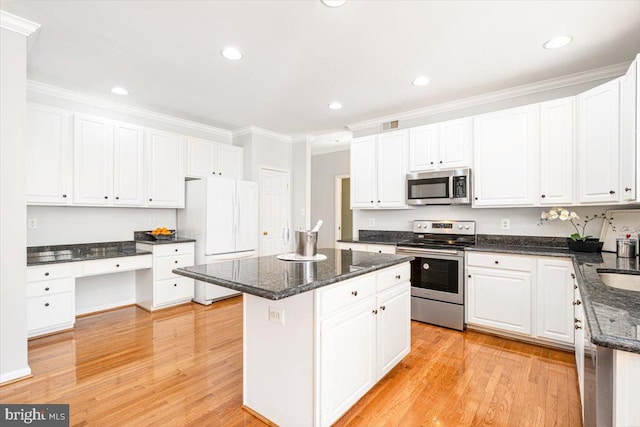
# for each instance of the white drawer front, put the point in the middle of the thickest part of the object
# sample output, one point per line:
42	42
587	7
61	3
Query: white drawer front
116	265
50	310
173	290
382	249
392	276
174	249
353	247
48	272
165	265
501	261
338	296
50	287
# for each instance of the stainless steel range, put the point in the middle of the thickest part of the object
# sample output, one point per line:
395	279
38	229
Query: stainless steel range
437	272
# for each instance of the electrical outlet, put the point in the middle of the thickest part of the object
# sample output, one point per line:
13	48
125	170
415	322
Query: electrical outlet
32	223
372	222
276	315
505	224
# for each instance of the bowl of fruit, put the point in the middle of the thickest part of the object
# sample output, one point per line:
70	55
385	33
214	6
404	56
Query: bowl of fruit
162	233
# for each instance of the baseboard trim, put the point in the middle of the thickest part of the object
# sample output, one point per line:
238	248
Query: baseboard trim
262	418
521	338
15	376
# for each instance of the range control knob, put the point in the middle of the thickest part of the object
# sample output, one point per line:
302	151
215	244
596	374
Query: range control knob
460	226
466	227
419	225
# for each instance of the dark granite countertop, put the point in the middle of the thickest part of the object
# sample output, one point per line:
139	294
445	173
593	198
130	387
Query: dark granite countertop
41	255
380	237
143	237
271	278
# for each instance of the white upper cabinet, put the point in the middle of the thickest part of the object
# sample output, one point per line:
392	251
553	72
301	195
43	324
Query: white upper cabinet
128	165
445	145
363	176
628	132
556	152
92	161
505	147
598	144
206	158
49	154
165	160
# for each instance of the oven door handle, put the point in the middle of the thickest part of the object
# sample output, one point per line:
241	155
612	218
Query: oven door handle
421	252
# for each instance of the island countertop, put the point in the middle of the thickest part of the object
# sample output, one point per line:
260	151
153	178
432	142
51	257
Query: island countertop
271	278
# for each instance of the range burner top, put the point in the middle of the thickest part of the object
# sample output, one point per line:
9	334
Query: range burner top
442	235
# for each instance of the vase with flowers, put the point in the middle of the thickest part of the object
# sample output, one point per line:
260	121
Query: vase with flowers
579	241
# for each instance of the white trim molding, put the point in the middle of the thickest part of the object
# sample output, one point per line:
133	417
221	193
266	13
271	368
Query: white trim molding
262	132
610	71
18	24
117	107
15	375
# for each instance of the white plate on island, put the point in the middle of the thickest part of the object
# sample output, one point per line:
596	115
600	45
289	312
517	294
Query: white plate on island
297	258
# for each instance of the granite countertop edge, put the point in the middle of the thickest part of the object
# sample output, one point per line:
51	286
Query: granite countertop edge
290	291
96	258
82	252
367	242
166	242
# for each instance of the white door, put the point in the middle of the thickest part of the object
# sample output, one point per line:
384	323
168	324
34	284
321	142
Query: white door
274	211
598	143
92	161
220	226
554	311
394	327
246	216
48	150
628	129
455	144
391	170
199	157
556	152
363	176
165	170
423	148
128	165
230	161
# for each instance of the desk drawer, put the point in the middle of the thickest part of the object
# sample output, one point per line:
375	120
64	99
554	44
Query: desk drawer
116	265
48	272
341	295
501	261
174	249
50	310
164	265
173	290
50	287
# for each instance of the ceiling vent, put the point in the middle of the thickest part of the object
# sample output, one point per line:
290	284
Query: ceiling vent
390	125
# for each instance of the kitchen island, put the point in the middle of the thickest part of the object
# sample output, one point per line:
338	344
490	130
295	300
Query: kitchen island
317	335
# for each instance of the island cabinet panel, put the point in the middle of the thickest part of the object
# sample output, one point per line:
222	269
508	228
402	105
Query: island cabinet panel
394	327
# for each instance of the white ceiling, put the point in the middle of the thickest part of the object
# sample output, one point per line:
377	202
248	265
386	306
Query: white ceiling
301	55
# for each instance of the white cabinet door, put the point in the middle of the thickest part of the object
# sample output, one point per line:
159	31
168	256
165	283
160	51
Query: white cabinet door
423	148
455	144
391	170
554	308
363	174
128	165
200	156
92	161
628	129
229	160
598	144
505	147
579	337
394	327
499	299
165	170
347	359
556	152
48	150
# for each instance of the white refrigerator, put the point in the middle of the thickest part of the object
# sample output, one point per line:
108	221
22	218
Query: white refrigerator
222	215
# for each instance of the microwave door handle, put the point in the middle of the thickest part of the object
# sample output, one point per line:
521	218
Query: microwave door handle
451	187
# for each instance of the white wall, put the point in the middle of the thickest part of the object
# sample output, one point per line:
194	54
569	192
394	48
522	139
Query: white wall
13	297
324	168
61	225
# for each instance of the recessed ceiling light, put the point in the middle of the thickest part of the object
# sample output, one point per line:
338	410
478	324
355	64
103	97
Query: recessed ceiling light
119	90
333	3
231	53
421	81
557	42
335	105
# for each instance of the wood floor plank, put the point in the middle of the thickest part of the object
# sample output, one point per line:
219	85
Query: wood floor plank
183	367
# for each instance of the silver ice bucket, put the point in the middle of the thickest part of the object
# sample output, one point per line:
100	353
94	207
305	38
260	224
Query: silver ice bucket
306	243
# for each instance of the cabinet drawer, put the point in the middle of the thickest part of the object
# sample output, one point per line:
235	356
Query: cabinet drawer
338	296
164	265
392	276
50	287
501	261
352	247
382	249
50	310
116	265
173	290
48	272
176	249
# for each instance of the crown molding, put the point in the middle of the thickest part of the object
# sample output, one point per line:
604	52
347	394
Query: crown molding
117	107
610	71
18	24
262	132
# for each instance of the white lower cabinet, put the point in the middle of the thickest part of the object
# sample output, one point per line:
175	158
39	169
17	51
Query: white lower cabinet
394	326
159	287
525	295
579	336
50	299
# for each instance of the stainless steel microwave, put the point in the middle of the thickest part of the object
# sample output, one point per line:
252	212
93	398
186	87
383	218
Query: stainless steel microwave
452	187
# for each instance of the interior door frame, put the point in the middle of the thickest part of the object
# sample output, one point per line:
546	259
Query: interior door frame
261	170
338	207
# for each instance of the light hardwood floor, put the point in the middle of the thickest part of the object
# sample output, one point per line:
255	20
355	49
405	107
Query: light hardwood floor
183	366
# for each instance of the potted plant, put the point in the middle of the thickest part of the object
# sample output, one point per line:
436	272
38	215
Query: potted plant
578	241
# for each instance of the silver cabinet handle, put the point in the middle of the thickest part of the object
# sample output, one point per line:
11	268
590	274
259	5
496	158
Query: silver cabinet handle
375	311
354	293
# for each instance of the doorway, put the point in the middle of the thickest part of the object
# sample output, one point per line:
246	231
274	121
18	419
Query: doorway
275	211
343	214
